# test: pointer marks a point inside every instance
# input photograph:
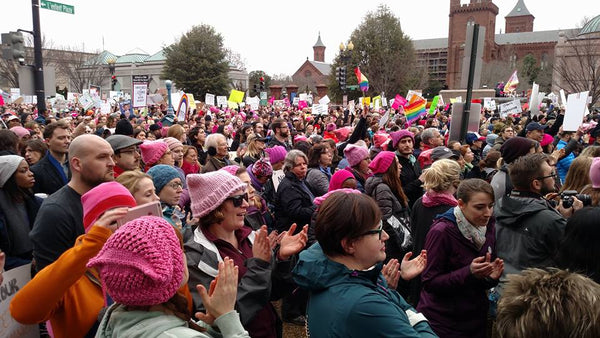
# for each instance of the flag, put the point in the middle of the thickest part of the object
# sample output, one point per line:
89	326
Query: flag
415	108
398	101
512	83
362	80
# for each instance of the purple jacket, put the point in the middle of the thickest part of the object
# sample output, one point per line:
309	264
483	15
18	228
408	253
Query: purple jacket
453	300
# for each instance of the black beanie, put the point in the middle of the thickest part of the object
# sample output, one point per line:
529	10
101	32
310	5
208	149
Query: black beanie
124	127
515	147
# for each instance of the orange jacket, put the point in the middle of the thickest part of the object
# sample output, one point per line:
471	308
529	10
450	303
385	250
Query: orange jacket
63	294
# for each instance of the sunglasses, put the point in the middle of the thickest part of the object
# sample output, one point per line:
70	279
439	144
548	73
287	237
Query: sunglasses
238	200
377	231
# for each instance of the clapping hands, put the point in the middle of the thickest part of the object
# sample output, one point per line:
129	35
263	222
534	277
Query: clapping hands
222	294
290	244
481	267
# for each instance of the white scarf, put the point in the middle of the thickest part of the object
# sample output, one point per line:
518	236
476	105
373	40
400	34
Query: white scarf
474	234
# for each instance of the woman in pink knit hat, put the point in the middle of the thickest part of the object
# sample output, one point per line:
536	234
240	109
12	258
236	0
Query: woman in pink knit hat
220	201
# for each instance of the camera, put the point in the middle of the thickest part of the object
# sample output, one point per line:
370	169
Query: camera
567	198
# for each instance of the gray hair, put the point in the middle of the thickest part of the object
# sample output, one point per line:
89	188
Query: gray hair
212	140
290	159
428	134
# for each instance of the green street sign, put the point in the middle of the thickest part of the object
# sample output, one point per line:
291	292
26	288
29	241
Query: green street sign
352	87
55	6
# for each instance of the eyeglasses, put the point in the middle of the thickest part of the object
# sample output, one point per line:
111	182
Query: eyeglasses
175	185
238	200
553	175
377	231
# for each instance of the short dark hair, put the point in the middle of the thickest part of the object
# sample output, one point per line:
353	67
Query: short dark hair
525	169
277	123
314	154
49	130
344	216
467	188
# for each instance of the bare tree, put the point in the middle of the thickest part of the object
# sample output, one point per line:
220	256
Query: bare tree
235	59
577	66
81	69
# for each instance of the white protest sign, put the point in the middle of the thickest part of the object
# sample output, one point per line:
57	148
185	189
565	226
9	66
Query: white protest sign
140	91
534	99
277	177
563	98
209	99
489	103
296	100
319	109
278	103
303	96
324	100
105	108
14	280
71	97
15	93
221	101
253	102
351	107
384	119
458	99
554	98
576	106
384	102
86	101
513	107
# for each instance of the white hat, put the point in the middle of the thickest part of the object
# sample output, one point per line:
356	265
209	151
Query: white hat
8	166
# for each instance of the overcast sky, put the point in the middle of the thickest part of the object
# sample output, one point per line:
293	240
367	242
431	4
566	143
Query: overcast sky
274	36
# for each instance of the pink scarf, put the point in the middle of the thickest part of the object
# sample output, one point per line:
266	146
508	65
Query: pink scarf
434	198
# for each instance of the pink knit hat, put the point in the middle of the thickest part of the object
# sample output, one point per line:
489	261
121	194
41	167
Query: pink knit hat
354	154
382	162
320	199
172	142
400	134
20	131
338	179
380	140
152	151
546	140
208	191
595	173
342	133
106	196
232	169
141	264
276	154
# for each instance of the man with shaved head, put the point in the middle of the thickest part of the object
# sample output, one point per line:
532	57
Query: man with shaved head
60	218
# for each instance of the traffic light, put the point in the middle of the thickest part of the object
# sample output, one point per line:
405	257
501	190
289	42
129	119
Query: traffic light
262	83
341	77
14	46
113	82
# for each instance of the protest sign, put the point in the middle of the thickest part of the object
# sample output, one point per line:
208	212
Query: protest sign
86	101
209	99
191	101
513	107
14	280
221	101
319	109
533	100
277	177
140	91
324	100
489	103
236	96
303	96
563	98
576	107
295	101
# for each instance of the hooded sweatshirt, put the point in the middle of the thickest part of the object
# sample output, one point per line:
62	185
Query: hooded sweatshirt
351	303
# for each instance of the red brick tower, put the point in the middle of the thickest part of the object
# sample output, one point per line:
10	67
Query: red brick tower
319	50
482	12
519	19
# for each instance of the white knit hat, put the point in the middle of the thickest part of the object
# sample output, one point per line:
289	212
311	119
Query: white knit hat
8	166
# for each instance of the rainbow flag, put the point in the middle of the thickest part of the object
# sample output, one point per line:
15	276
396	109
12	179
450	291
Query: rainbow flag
415	108
512	83
362	80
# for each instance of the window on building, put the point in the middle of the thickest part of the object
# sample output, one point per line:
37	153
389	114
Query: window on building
513	61
544	61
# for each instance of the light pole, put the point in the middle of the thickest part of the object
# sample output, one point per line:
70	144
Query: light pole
345	56
169	84
111	68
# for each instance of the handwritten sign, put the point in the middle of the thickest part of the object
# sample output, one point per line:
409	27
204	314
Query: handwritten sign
210	99
221	101
14	280
277	177
513	107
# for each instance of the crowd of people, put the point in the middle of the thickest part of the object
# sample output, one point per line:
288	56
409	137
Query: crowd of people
359	225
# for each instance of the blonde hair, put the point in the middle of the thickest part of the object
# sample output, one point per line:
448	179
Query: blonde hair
130	179
176	131
578	174
442	175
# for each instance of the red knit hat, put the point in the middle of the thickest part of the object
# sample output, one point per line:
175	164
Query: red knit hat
106	196
382	162
153	151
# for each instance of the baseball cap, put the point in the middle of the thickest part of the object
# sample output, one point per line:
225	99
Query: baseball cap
535	126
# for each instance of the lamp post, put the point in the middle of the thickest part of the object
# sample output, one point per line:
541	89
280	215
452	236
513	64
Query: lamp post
345	56
169	84
111	68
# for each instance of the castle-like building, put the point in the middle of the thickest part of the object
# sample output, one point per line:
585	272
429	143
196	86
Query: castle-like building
443	57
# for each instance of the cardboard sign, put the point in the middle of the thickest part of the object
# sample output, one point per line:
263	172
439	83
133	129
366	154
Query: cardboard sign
140	91
221	101
14	280
489	103
513	107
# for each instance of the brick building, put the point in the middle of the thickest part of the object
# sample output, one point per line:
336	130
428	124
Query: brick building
443	56
315	73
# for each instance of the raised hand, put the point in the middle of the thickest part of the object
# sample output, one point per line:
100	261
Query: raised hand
109	218
289	244
222	295
261	248
391	273
410	269
497	269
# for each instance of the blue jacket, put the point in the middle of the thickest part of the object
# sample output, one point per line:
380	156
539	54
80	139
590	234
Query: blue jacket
346	303
562	167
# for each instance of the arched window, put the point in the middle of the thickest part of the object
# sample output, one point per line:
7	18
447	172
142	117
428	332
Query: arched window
544	61
513	61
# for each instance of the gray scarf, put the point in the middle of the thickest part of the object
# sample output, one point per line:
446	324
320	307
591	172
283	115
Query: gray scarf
474	234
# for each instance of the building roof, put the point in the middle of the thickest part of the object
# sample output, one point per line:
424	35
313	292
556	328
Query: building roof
324	68
159	56
430	43
319	43
519	10
532	37
592	26
104	56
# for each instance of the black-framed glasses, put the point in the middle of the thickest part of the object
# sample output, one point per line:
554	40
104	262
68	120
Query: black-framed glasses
238	200
553	175
377	231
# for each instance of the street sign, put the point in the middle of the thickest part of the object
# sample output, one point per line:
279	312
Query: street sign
352	87
55	6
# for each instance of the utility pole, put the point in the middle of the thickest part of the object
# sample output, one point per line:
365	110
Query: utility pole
38	63
467	107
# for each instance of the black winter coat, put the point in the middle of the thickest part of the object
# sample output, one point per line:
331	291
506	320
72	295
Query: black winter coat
293	204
